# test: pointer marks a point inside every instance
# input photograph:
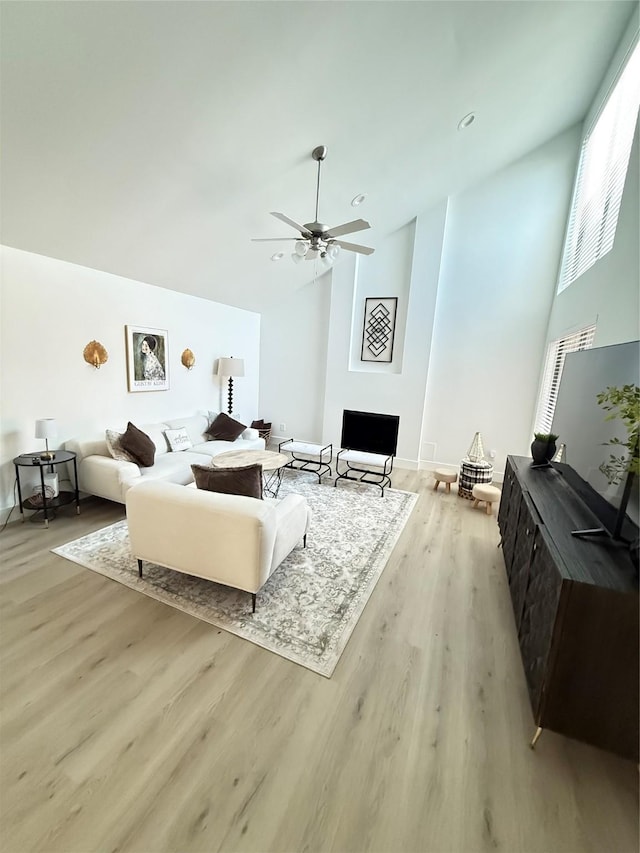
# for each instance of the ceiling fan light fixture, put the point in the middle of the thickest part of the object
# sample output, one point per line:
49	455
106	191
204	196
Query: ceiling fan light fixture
465	121
315	237
357	200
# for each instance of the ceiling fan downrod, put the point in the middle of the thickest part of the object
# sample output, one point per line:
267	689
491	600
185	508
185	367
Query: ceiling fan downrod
318	153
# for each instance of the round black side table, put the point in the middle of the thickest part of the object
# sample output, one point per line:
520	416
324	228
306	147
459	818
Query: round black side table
34	460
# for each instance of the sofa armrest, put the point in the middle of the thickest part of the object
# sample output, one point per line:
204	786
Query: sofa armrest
106	477
250	434
292	522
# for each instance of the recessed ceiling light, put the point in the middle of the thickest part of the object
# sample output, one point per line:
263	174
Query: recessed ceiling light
466	121
278	256
357	200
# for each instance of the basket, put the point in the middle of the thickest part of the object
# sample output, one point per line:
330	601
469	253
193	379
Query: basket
472	473
264	430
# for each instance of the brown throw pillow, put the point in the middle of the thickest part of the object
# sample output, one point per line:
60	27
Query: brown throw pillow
246	480
139	445
225	428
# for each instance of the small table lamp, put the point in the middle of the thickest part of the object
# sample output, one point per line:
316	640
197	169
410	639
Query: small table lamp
230	367
46	428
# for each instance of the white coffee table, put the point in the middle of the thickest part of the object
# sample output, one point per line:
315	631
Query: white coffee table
272	465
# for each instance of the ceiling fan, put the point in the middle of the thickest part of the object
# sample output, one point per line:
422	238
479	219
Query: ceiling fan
317	240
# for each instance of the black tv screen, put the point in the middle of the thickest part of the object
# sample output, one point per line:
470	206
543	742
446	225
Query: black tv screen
369	432
583	427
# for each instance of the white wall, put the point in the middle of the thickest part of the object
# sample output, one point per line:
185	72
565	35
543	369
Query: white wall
310	354
407	265
475	281
51	309
501	251
293	356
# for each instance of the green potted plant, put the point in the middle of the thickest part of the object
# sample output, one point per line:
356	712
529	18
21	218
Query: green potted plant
543	447
623	403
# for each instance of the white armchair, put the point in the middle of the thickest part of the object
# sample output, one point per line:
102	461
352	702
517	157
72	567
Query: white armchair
230	539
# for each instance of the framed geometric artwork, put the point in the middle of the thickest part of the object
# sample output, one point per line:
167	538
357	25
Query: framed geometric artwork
379	328
147	362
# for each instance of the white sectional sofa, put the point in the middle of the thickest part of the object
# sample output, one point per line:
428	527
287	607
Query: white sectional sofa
102	475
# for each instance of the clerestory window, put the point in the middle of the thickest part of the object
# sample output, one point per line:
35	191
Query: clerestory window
602	169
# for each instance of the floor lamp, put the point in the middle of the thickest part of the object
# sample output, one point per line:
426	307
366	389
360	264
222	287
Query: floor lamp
230	367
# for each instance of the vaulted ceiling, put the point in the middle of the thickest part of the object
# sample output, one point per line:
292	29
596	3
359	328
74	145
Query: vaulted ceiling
151	139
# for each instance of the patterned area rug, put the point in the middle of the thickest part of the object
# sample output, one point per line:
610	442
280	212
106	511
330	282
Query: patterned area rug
309	607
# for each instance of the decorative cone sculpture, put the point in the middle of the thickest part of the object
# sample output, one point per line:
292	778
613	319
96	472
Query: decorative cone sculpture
476	451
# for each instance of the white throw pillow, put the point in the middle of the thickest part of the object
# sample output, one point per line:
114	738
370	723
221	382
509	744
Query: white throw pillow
118	452
178	439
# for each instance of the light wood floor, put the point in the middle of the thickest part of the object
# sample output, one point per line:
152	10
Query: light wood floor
129	726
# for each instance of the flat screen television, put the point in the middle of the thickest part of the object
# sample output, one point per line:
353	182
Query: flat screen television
581	425
370	432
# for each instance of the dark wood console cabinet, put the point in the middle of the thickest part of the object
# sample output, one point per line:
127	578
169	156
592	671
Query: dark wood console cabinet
575	604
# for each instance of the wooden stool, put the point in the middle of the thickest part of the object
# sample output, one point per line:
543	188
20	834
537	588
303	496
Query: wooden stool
443	476
487	493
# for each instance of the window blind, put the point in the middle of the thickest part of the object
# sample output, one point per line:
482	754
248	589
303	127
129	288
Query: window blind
604	159
554	364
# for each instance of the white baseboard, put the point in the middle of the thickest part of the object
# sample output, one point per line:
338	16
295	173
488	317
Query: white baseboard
399	462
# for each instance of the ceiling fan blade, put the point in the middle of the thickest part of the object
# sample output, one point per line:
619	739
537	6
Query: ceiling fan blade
271	239
353	247
290	222
347	228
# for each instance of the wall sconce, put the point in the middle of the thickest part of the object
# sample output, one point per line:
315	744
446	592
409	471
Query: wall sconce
188	359
95	354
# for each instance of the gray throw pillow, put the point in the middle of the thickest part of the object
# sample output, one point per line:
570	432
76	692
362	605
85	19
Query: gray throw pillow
225	428
245	480
112	437
139	445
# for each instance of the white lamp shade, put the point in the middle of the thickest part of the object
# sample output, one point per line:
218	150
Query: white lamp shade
230	367
46	428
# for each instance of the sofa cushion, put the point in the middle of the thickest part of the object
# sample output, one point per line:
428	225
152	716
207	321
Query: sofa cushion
225	428
178	439
195	426
156	434
173	468
117	451
139	445
245	480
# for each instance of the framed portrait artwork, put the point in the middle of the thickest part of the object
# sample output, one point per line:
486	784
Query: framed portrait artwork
147	361
379	328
